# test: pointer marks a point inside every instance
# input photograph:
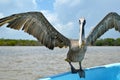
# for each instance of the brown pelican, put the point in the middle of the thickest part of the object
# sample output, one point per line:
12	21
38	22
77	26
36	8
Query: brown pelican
37	25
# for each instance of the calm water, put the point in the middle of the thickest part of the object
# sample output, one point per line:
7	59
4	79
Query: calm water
6	50
28	50
31	63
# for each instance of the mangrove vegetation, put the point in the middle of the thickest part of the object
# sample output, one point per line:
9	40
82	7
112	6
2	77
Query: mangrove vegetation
14	42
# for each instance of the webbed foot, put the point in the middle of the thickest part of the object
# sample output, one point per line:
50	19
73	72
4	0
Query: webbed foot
81	73
73	70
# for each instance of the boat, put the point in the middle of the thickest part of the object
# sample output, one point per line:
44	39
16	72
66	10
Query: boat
104	72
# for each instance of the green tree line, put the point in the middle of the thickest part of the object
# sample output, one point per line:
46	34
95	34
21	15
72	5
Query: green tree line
107	42
13	42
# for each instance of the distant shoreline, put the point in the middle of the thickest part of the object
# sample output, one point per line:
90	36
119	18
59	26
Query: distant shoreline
20	42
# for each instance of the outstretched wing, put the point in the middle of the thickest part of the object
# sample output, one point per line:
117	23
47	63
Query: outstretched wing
112	20
37	25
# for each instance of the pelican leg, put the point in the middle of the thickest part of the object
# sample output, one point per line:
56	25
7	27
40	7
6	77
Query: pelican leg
73	70
81	71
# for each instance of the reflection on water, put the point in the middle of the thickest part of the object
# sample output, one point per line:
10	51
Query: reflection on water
31	63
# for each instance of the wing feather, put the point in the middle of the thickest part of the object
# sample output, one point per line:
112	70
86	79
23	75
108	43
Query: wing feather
112	20
37	25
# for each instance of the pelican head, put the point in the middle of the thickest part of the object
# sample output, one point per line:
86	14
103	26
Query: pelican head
82	22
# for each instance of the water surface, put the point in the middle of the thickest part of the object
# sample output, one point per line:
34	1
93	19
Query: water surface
31	63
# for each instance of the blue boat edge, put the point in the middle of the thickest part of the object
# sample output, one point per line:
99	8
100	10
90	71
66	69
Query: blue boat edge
87	70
